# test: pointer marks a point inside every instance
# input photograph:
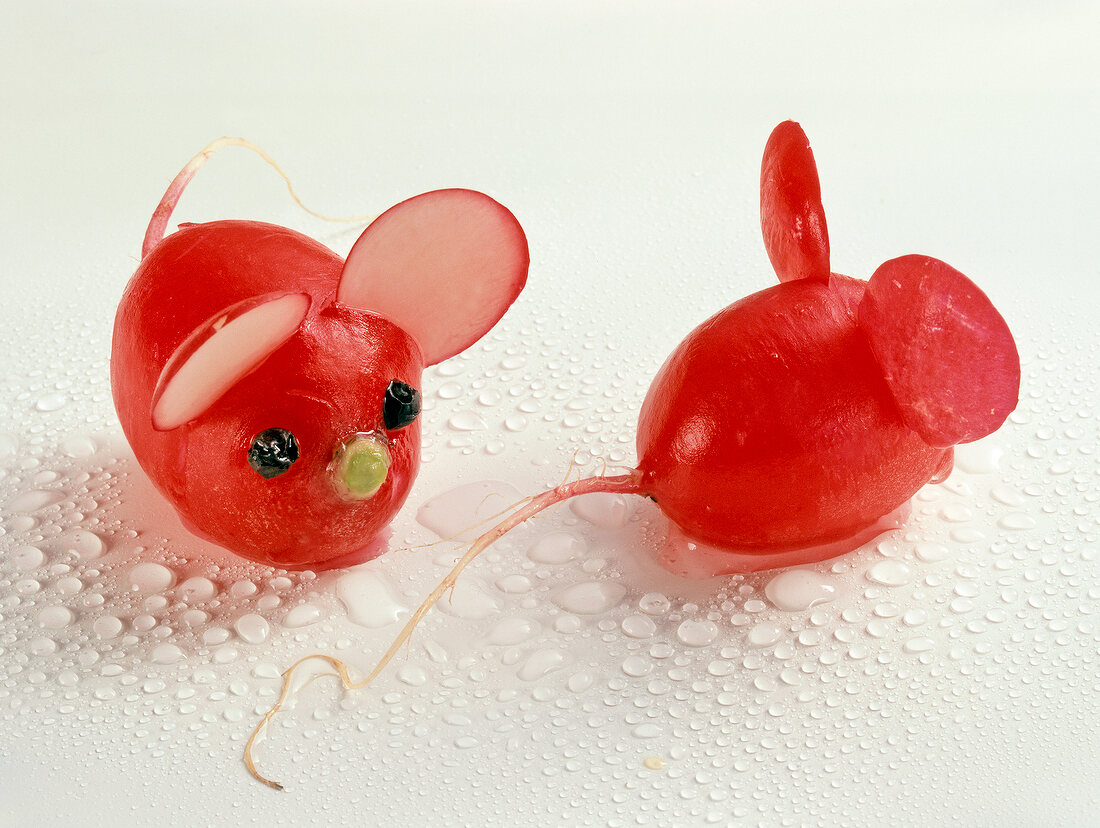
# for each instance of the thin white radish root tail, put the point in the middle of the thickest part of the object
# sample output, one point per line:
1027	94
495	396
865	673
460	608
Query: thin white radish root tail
159	221
620	484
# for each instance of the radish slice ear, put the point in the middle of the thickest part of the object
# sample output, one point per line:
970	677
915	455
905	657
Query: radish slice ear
791	214
946	353
221	351
444	266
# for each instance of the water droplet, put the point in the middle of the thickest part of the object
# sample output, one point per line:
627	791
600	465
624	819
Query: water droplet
931	552
981	457
34	500
956	513
369	598
197	589
21	523
78	446
541	663
166	654
43	646
9	448
412	675
213	636
557	548
55	618
654	603
242	589
151	577
467	421
590	597
637	666
1017	521
579	682
509	632
799	589
252	628
455	514
515	422
602	509
468	599
266	603
1007	496
107	626
27	558
51	402
914	617
302	616
638	626
919	645
489	398
449	391
892	573
514	584
694	633
84	544
763	634
653	763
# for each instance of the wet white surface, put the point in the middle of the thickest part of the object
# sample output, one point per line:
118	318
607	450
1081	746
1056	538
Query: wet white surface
944	673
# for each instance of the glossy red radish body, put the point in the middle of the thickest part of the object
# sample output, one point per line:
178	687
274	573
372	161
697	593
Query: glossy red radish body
271	393
803	414
771	427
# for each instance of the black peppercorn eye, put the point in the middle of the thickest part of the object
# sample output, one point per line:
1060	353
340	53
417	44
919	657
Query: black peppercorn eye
273	452
401	405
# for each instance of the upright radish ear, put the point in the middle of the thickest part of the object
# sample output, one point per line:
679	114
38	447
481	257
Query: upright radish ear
946	353
220	351
791	214
444	266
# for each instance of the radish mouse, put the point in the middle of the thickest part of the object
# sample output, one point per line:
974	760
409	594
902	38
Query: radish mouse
271	389
799	416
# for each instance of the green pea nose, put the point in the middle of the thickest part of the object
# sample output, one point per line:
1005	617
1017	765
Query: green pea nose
360	466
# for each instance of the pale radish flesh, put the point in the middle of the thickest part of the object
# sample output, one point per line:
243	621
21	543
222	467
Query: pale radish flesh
946	353
220	353
444	266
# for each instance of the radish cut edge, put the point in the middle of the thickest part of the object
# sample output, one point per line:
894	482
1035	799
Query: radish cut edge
221	351
443	266
945	352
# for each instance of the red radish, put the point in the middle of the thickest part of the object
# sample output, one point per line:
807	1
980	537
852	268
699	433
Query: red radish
802	414
270	390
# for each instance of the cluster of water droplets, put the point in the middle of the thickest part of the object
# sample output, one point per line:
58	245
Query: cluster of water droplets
566	660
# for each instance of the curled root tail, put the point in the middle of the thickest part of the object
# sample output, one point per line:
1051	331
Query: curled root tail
621	484
159	221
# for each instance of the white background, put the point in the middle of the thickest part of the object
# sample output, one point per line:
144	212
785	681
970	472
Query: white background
626	137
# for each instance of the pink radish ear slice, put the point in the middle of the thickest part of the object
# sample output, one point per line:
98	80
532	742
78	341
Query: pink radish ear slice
791	214
221	351
444	266
946	353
